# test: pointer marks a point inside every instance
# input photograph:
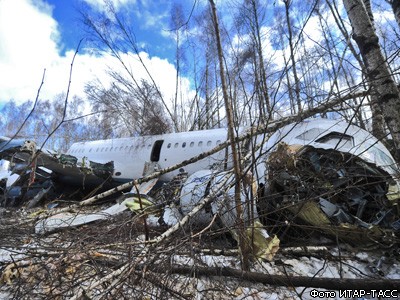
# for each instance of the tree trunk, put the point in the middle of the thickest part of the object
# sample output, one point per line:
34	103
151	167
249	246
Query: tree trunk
291	47
365	284
378	74
236	164
396	10
378	124
263	75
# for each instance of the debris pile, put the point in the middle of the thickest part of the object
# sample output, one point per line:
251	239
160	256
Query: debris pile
38	171
336	193
154	239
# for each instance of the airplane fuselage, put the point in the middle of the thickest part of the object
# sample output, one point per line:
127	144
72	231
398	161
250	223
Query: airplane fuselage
130	154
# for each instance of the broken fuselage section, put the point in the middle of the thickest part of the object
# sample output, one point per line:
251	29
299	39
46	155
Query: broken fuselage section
332	177
30	173
325	174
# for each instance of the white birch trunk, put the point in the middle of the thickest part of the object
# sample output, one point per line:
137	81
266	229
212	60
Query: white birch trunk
378	73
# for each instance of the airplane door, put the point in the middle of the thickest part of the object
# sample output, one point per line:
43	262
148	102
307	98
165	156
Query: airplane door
155	152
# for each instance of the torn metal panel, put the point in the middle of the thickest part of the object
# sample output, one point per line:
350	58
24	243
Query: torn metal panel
336	135
337	192
223	208
61	166
8	145
66	220
35	167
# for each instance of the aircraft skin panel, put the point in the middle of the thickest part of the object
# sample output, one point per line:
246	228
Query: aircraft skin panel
130	154
321	133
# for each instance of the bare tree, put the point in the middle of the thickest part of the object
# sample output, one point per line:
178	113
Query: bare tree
231	132
292	54
378	73
396	9
114	35
128	111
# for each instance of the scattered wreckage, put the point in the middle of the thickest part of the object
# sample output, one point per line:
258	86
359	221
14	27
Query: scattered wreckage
335	177
324	175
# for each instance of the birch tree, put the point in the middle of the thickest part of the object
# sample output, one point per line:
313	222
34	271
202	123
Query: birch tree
231	132
396	9
378	74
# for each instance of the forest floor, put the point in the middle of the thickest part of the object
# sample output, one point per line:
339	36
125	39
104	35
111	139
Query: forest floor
113	259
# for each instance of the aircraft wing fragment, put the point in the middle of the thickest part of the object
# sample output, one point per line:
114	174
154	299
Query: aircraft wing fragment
38	165
26	155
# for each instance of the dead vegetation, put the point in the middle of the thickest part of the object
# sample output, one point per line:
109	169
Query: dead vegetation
111	259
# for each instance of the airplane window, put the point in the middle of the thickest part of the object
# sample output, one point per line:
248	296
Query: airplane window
218	142
209	143
200	144
111	148
137	147
169	145
97	149
90	150
191	144
148	146
120	148
310	135
176	145
336	139
183	144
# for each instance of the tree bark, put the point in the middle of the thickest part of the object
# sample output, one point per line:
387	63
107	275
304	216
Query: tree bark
291	46
291	281
396	10
378	74
231	133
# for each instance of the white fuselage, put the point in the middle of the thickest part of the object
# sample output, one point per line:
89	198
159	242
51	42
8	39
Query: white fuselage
130	154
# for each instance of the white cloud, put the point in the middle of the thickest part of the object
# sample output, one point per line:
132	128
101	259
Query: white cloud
28	36
101	5
27	49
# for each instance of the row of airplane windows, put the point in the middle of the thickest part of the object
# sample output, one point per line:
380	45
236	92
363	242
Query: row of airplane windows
127	148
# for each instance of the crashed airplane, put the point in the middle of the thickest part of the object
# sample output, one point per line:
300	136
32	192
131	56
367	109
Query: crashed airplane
329	174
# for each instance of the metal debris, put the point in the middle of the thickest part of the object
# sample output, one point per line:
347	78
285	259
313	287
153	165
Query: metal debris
38	168
337	193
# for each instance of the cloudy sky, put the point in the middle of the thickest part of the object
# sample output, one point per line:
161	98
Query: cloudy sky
38	35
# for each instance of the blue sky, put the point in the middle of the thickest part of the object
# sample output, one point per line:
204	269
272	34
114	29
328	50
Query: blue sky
38	35
43	34
150	20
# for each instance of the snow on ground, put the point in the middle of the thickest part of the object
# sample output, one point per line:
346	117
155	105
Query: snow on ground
326	262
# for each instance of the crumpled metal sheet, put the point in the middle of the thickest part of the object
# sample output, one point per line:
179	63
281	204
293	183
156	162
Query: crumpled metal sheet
37	166
205	183
337	193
